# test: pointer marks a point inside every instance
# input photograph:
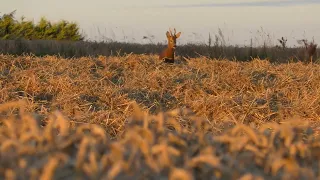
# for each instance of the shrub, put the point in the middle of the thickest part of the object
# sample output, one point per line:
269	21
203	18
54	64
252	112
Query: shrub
10	28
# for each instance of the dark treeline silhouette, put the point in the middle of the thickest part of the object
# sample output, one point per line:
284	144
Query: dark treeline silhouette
70	49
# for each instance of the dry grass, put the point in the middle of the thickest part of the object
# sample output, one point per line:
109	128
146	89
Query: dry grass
154	147
101	137
100	90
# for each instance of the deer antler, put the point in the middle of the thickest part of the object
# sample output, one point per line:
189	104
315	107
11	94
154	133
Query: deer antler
170	31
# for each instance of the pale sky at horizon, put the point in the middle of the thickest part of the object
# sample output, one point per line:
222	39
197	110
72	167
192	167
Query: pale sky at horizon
239	20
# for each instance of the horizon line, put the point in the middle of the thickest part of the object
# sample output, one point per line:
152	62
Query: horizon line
281	3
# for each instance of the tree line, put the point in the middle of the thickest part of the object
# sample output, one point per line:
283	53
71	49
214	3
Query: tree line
11	28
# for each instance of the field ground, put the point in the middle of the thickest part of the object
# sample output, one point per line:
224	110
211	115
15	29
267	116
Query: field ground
99	93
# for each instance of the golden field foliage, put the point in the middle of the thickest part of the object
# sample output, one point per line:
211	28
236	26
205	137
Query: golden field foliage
200	119
154	147
100	90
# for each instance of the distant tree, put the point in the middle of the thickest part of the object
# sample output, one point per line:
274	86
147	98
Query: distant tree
7	25
44	29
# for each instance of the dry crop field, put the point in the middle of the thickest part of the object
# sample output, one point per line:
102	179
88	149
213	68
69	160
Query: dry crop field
136	117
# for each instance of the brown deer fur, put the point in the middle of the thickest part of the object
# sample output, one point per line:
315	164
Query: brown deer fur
310	49
168	54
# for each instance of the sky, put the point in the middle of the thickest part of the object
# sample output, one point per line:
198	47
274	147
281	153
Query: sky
130	21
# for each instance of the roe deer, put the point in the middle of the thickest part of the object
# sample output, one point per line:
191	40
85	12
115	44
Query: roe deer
168	54
310	49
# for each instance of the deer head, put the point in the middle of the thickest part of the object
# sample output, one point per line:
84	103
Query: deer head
168	53
172	38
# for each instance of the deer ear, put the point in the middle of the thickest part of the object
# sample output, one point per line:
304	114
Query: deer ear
168	34
178	34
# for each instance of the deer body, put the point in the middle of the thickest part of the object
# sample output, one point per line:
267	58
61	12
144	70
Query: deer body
310	49
168	54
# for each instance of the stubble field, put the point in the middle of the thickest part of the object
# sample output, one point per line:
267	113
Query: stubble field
135	117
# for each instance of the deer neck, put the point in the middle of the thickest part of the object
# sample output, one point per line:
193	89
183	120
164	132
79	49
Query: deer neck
170	51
